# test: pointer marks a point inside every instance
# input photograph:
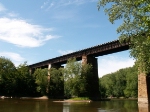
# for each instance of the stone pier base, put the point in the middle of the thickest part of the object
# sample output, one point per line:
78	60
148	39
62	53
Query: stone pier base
142	89
144	92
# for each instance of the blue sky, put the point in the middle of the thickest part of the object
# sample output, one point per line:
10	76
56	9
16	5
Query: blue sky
37	30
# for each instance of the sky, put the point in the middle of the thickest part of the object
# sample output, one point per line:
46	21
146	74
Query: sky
37	30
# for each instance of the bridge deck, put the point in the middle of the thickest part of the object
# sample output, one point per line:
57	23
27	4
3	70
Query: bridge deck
99	50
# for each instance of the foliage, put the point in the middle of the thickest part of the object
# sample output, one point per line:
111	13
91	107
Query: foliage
56	84
25	81
131	89
8	74
75	78
41	80
15	81
80	98
123	83
135	15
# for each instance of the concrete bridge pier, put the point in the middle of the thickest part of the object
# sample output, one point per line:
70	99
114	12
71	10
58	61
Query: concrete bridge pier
142	89
92	79
144	92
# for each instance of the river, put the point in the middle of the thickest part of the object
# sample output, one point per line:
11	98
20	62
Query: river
28	105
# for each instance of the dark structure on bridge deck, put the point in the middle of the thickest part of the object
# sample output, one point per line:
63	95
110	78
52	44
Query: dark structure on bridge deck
99	50
87	56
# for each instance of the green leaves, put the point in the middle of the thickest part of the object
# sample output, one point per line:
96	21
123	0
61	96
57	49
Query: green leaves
8	74
41	80
135	15
75	77
123	83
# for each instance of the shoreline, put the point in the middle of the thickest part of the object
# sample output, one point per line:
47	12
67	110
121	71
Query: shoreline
41	98
73	101
67	100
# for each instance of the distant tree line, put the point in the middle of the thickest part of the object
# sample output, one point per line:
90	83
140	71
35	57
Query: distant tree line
123	83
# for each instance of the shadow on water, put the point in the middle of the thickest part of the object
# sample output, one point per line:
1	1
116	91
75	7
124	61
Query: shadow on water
22	105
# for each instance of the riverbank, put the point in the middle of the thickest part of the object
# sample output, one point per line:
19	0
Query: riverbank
46	98
68	100
41	98
73	101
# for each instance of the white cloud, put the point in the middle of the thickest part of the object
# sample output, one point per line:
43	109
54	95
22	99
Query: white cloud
14	57
65	52
21	33
109	64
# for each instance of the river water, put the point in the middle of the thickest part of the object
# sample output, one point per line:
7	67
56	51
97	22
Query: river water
26	105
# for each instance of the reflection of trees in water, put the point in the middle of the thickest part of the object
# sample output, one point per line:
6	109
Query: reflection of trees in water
120	105
102	106
17	105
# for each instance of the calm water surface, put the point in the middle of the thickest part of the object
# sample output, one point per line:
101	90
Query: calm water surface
20	105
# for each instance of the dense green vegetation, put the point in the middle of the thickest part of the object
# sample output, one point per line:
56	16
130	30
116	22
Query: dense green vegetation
71	81
123	83
15	81
75	79
135	17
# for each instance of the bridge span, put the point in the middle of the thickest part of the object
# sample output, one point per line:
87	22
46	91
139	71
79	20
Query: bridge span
99	50
89	55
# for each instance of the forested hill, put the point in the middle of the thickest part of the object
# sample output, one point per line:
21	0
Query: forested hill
123	83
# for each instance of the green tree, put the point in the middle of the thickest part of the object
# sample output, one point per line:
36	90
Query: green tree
87	75
72	73
41	79
25	81
131	89
75	77
56	84
135	15
107	84
8	75
122	83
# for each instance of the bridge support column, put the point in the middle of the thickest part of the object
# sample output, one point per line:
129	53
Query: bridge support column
144	92
144	88
92	79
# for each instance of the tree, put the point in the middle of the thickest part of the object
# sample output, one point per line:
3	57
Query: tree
122	83
75	77
41	80
56	84
135	27
131	89
72	76
25	81
8	75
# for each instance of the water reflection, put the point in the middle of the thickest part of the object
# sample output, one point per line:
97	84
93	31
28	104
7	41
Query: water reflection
144	107
18	105
104	106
